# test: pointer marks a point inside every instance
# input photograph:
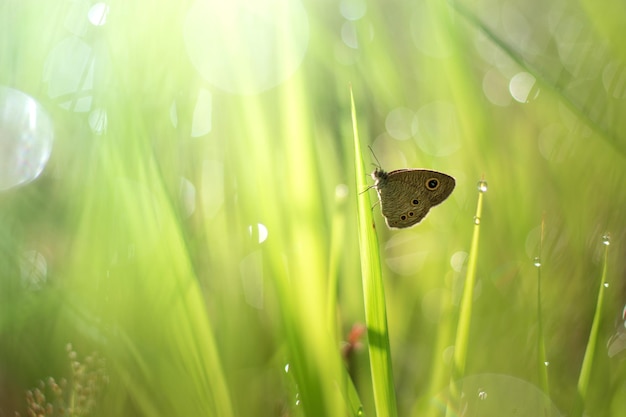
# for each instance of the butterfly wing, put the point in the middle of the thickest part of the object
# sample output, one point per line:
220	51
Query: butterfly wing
407	195
420	178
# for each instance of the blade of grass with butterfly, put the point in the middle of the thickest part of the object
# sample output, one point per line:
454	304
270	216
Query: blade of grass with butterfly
373	290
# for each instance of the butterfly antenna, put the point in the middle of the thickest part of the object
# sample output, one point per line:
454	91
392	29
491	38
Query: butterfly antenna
374	155
370	187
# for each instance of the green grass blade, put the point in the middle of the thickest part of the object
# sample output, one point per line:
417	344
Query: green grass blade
373	291
541	342
465	314
338	231
585	371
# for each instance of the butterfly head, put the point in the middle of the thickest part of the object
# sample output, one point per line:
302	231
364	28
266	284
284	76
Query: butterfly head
379	175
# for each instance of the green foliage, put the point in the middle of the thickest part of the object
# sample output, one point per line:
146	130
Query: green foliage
202	221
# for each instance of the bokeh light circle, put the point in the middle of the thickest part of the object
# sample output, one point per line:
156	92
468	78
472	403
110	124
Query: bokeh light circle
523	87
495	88
26	135
401	123
438	132
352	9
245	47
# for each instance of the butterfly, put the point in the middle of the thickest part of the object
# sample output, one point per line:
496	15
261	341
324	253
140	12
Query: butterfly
406	195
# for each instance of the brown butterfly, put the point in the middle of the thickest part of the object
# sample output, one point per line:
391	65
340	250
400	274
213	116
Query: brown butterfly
406	195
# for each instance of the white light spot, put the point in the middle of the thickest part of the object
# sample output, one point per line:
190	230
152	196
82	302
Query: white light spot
341	191
98	121
98	14
457	260
26	136
245	47
352	9
259	229
349	34
522	87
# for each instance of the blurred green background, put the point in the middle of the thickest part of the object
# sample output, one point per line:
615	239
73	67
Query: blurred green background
195	223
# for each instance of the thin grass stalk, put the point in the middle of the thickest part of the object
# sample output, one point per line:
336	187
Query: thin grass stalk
541	342
373	291
465	311
336	244
585	371
336	251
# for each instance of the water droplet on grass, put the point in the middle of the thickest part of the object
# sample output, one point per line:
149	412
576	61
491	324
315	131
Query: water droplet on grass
482	186
537	262
476	220
606	239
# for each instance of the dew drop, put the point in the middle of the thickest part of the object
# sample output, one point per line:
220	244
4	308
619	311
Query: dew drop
482	395
606	239
360	412
258	232
546	363
287	368
482	186
537	262
606	285
476	220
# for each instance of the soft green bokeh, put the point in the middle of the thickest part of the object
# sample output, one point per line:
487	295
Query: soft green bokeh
233	295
